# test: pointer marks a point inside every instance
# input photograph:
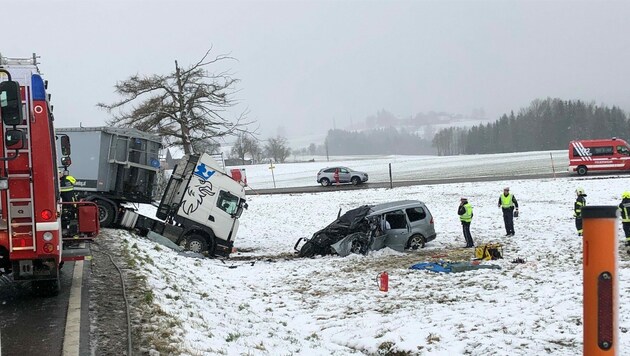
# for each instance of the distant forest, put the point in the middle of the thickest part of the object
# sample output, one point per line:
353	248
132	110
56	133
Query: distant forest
377	142
545	125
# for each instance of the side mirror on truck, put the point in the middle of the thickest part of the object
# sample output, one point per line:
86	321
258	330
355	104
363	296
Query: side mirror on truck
65	145
66	161
10	103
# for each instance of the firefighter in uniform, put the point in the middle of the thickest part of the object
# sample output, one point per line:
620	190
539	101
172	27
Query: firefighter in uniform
625	215
580	202
66	189
509	206
465	212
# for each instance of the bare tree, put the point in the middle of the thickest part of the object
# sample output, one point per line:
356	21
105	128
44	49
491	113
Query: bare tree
207	146
277	149
243	146
184	107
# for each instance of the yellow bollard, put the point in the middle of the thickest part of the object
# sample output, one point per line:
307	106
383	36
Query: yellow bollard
601	298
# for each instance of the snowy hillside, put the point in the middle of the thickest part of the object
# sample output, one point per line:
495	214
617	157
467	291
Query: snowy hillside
270	303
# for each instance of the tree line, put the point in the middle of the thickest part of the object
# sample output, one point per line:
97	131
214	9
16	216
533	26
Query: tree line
547	124
372	142
275	149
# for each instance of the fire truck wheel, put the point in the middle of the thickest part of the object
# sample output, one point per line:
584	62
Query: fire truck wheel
46	288
581	170
416	241
324	182
106	213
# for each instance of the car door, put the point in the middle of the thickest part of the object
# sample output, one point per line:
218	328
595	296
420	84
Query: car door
399	231
344	175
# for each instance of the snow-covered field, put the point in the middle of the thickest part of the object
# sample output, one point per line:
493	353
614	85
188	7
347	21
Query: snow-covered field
269	303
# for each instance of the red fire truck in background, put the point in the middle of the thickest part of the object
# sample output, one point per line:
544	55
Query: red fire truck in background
31	241
611	154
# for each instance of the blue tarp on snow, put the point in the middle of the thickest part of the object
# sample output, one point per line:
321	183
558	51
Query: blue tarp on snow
447	267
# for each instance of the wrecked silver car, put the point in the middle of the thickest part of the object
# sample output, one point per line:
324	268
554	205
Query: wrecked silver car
400	225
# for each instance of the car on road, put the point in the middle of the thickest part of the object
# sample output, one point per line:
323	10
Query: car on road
400	225
326	176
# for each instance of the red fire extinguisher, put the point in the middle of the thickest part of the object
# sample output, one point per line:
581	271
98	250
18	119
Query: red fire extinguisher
382	280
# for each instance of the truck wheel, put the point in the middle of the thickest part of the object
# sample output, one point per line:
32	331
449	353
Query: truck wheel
581	170
106	213
47	288
200	244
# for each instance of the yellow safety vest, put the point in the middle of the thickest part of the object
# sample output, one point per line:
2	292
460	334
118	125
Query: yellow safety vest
467	216
506	202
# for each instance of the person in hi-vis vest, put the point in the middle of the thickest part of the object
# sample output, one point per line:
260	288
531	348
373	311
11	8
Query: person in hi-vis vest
580	202
465	212
509	206
624	206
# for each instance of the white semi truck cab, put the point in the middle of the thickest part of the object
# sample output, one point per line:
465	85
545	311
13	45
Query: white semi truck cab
199	209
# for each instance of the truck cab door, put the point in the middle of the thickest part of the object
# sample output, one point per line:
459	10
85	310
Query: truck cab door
223	217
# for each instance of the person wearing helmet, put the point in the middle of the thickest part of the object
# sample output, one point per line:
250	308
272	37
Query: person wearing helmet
465	212
509	206
580	202
68	211
625	215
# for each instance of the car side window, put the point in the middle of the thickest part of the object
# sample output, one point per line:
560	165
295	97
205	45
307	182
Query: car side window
343	170
330	170
397	219
416	214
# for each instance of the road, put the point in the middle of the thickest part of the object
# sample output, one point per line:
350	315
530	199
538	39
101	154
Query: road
32	325
374	185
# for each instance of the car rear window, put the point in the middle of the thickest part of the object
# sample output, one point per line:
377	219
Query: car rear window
416	214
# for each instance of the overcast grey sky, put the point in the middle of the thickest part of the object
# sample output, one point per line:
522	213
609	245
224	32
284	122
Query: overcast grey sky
303	64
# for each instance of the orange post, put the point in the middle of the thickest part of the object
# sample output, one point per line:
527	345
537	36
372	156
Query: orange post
601	298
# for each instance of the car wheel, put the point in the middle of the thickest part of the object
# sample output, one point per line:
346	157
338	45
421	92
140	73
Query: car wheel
356	246
106	213
416	241
581	170
307	250
355	180
325	182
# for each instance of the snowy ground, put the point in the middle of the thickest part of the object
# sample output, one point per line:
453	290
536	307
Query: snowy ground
264	301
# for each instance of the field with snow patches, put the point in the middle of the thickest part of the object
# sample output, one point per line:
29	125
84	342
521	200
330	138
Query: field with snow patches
271	303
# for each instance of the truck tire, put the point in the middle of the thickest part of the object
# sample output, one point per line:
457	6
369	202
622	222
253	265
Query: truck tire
200	244
106	213
46	288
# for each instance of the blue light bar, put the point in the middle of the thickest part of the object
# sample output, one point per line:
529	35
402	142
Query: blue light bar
37	87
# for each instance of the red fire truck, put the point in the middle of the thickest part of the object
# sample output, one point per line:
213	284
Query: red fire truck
611	154
31	241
